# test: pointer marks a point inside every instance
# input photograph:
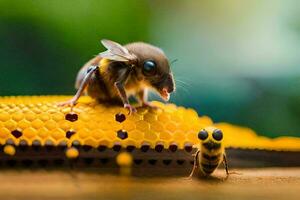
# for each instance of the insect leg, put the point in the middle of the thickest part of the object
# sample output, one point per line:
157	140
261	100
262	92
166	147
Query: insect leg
225	164
119	84
195	164
81	88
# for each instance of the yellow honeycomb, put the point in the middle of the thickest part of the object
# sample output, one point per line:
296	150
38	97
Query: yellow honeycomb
38	118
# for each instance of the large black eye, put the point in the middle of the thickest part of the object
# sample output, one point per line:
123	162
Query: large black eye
202	135
217	134
149	68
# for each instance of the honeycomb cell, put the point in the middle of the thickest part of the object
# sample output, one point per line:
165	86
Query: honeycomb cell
72	117
136	135
4	132
16	133
70	133
150	117
29	132
37	123
171	126
23	124
30	116
44	117
128	125
57	116
120	117
17	116
165	135
122	134
57	134
142	126
10	124
91	142
43	133
150	135
97	134
51	124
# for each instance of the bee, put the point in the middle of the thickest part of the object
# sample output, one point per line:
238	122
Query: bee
123	71
211	152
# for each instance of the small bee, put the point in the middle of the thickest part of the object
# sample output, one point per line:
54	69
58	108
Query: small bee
211	152
121	71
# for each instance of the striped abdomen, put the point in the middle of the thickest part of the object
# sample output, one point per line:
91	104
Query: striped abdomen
210	157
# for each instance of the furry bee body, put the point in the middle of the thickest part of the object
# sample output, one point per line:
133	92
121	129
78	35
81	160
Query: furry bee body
124	71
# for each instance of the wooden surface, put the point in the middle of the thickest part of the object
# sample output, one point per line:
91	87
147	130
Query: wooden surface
263	183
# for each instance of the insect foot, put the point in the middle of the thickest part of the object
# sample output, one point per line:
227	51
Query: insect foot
130	108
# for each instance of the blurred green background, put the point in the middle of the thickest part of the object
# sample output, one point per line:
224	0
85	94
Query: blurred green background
238	61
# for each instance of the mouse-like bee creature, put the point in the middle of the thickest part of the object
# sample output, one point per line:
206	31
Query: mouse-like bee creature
211	152
121	71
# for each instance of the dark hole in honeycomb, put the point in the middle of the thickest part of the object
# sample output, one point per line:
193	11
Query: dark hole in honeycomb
72	117
138	161
188	147
130	148
145	147
117	147
86	147
159	147
122	134
102	148
49	145
76	143
120	117
173	147
167	162
23	145
10	142
69	134
62	145
36	145
180	162
16	133
104	160
152	161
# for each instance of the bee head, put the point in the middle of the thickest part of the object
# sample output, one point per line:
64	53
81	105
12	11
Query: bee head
210	134
153	68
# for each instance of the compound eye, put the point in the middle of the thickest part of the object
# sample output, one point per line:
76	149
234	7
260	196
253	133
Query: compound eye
217	135
202	135
149	68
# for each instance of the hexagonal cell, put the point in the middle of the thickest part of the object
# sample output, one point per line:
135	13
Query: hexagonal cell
4	116
120	117
57	134
17	116
37	123
136	135
29	132
122	134
10	124
72	117
142	126
128	125
30	116
170	126
70	133
51	124
57	116
4	132
16	133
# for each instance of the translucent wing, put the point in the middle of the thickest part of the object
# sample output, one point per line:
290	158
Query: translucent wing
115	51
